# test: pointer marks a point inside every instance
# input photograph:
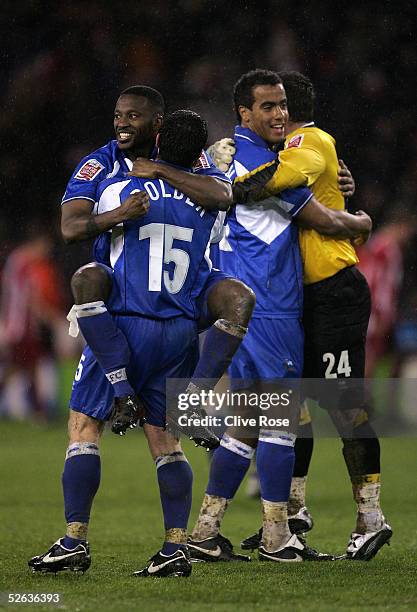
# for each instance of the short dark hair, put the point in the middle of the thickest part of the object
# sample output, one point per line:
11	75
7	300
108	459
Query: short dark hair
300	95
154	97
243	89
182	137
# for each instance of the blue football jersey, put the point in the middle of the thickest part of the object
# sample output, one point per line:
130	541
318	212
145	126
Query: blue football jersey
161	261
260	245
110	162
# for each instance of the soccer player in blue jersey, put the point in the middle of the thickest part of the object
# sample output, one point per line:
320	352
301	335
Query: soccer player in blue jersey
262	250
137	119
157	308
335	323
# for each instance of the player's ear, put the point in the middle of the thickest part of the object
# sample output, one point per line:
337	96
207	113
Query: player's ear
157	145
157	122
244	113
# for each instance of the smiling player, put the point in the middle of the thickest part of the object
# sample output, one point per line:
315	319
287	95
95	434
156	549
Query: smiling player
157	312
262	250
138	117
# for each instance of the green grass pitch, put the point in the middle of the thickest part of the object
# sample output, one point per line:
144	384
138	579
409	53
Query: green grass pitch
126	528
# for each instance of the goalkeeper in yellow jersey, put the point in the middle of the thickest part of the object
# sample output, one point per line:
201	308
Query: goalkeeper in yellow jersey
336	314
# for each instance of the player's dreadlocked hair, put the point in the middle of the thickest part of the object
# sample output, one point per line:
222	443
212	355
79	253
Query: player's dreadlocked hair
243	89
300	95
154	97
182	137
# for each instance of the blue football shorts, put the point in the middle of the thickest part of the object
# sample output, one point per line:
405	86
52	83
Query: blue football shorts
272	348
160	349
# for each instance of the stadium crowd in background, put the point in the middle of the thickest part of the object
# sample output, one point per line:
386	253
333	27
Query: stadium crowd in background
84	54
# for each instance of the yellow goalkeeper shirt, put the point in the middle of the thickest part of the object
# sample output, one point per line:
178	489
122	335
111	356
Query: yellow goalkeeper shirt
310	158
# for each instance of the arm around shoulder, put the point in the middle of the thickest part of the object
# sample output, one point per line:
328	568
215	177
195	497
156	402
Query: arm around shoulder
208	191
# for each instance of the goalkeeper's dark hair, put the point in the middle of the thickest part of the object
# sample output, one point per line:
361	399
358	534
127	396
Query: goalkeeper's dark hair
300	95
243	89
154	97
182	137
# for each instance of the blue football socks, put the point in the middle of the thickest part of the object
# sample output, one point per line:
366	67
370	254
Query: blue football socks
80	481
220	344
275	465
231	461
175	479
108	344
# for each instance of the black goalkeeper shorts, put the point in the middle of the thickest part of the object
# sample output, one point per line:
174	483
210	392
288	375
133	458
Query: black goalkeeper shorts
336	316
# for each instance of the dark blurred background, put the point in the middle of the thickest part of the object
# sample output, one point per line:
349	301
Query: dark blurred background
64	64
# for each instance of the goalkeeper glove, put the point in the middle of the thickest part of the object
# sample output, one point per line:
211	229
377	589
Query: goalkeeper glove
222	153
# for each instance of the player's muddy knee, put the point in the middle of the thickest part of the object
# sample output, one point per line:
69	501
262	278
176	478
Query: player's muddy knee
91	283
243	435
160	441
232	300
83	428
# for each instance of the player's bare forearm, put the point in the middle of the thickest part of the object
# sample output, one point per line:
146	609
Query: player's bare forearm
346	225
209	192
76	227
78	222
336	223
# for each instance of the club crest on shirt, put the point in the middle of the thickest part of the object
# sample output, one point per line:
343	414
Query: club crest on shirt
89	170
295	141
202	162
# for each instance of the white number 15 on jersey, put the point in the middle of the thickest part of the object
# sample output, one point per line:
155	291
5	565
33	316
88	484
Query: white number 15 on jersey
161	238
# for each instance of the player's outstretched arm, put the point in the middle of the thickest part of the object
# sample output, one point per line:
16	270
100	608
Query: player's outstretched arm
209	192
79	223
337	223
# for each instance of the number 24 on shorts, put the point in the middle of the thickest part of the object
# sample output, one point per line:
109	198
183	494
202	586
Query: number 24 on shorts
343	367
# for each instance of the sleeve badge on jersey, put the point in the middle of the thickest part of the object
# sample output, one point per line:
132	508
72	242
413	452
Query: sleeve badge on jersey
89	170
295	141
202	162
